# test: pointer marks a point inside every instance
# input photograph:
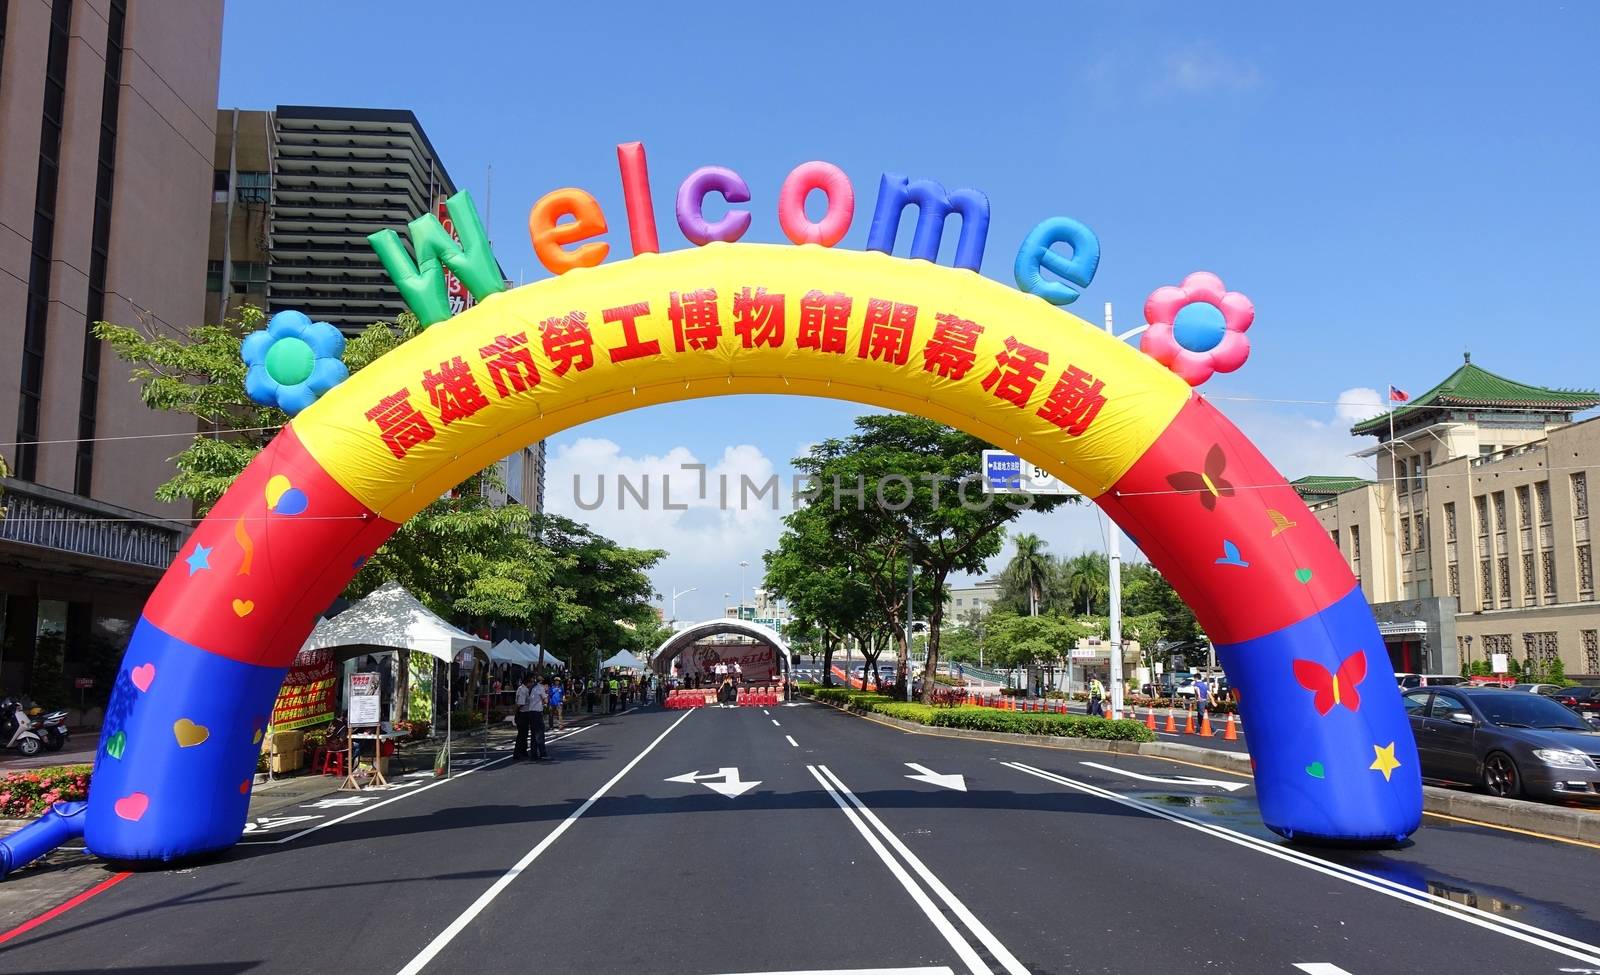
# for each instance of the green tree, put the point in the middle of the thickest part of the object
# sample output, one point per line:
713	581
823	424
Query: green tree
1028	580
1034	642
596	586
1086	579
822	586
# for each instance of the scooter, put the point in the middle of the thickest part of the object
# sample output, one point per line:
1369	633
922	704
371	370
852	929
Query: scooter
52	730
17	730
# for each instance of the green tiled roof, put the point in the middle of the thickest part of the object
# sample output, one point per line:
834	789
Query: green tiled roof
1474	386
1321	484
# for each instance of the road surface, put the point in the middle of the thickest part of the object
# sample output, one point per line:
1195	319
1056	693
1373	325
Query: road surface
801	839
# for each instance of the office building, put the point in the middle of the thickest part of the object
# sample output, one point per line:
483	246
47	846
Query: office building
966	602
106	131
1475	538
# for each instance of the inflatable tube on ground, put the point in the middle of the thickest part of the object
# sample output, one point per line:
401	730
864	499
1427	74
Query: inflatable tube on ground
1334	754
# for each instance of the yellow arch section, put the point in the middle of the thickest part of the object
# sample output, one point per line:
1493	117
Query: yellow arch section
344	430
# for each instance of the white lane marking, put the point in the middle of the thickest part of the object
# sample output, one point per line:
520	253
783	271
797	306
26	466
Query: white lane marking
1321	968
967	954
1007	960
427	954
775	723
766	712
792	741
1561	944
729	784
941	970
1175	780
951	780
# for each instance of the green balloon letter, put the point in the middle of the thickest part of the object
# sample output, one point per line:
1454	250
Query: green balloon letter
421	284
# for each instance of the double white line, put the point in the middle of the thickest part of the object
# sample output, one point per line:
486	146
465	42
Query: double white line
872	829
1549	940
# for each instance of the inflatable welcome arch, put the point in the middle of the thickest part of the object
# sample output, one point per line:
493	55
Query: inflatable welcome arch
1333	751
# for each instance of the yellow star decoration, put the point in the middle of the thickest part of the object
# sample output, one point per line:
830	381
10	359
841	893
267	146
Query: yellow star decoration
1384	760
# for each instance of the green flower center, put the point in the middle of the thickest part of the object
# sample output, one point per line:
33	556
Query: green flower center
290	361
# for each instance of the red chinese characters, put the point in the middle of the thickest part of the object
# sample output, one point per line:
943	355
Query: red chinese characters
568	343
886	331
823	321
632	346
453	390
401	425
1017	371
510	362
695	321
758	318
1074	402
952	349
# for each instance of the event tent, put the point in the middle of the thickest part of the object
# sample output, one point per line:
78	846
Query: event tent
623	659
390	618
522	655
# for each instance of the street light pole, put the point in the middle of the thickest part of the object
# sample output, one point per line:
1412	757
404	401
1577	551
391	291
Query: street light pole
911	583
742	566
675	594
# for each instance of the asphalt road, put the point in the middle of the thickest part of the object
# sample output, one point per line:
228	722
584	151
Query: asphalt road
807	840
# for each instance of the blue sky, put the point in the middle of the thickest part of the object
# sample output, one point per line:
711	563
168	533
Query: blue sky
1390	183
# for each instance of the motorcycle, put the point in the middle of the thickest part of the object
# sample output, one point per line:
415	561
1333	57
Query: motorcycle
52	730
17	730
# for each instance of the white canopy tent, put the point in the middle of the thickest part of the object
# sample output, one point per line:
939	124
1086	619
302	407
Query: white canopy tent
622	658
523	655
391	619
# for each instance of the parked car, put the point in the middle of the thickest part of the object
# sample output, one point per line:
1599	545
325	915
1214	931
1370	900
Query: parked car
1510	743
1584	700
1548	690
1408	681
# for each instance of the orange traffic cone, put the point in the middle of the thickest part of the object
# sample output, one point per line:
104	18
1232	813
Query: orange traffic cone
1172	726
1150	718
1205	725
1232	734
1188	722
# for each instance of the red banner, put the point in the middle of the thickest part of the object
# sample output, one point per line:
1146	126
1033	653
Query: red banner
750	661
307	695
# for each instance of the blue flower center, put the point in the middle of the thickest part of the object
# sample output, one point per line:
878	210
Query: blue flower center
290	361
1199	327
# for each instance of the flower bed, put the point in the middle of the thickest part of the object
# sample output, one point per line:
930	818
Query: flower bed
975	718
24	795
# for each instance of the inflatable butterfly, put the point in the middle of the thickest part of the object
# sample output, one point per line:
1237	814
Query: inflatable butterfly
1333	688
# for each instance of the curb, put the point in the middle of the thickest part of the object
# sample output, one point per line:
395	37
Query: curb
1541	819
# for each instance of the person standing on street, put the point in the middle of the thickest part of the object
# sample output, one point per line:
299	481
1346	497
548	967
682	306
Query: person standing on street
558	695
1097	694
1202	699
525	717
538	699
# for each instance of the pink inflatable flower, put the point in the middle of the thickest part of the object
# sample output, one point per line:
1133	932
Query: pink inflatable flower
1197	329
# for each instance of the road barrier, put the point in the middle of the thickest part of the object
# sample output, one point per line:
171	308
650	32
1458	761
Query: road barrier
1232	734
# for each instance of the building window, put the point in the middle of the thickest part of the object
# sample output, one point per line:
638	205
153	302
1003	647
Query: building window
252	187
1455	580
1500	511
1450	522
1580	495
1355	542
214	276
1486	583
249	276
1405	534
1334	534
1547	569
1482	502
1524	508
1421	525
1585	573
1591	651
1504	565
1529	580
1539	651
1542	492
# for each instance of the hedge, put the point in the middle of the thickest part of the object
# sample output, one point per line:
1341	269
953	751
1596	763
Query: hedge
24	795
974	718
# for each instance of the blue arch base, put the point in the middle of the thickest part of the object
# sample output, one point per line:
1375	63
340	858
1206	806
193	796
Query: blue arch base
178	752
1332	768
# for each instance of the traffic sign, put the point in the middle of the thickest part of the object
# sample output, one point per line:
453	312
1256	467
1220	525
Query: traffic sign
1006	473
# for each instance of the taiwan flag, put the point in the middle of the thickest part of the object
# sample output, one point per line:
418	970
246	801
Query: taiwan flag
1398	395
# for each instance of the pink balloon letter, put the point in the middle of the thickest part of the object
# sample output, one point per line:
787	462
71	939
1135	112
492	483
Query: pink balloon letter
831	180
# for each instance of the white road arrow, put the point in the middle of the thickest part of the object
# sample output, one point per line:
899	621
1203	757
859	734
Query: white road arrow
1175	780
928	775
730	785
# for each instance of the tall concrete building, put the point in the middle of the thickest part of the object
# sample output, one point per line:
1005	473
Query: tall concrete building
107	113
1476	537
295	192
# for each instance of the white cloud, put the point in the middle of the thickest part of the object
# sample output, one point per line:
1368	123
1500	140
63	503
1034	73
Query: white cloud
1357	403
1201	68
706	521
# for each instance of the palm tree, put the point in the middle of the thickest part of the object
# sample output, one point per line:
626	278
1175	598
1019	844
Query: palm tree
1029	571
1087	579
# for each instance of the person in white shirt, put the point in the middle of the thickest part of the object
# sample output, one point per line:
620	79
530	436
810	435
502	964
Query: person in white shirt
530	719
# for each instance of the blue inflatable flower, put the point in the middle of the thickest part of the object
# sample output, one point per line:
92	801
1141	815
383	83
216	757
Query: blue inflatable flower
292	361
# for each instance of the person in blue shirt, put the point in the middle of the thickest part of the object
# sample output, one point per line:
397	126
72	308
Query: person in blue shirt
1202	698
554	716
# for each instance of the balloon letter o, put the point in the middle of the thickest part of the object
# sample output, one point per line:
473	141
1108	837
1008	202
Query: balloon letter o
691	202
550	237
832	181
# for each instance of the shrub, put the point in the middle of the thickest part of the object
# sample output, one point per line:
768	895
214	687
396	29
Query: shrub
24	795
975	718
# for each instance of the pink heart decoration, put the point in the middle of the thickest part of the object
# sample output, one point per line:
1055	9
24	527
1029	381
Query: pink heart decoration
143	675
132	806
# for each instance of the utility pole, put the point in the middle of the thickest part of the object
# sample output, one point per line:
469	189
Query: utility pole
1114	553
911	583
